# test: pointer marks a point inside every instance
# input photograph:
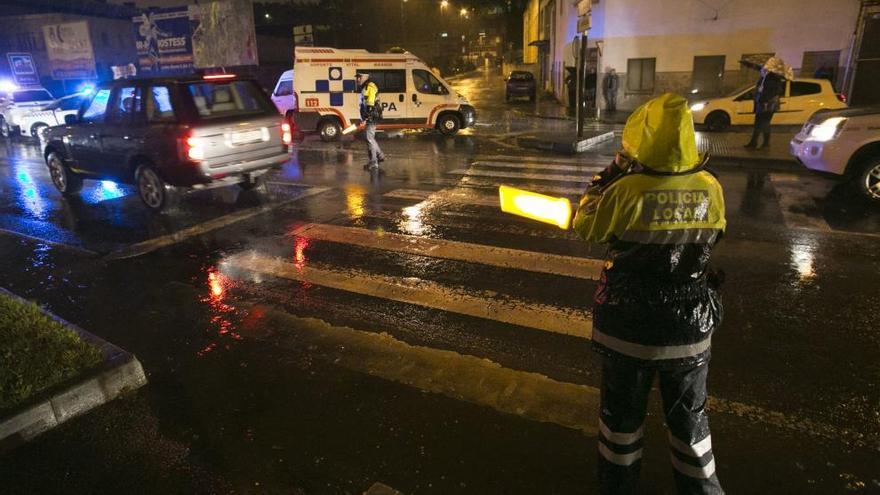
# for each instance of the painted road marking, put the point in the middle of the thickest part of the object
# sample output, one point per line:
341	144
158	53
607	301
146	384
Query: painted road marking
481	304
570	266
471	183
155	243
520	175
799	209
536	166
60	245
457	376
483	382
600	161
445	195
478	223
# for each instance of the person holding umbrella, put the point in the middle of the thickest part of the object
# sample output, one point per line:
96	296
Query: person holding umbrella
768	90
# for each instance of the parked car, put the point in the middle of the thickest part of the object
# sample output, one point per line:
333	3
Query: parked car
168	134
801	99
520	83
843	144
33	123
17	102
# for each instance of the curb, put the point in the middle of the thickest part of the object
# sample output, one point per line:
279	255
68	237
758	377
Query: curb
566	146
120	371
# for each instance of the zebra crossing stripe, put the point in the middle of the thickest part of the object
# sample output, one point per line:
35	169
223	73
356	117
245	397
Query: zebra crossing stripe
570	266
444	195
583	178
450	220
480	304
794	198
464	377
585	169
472	183
601	159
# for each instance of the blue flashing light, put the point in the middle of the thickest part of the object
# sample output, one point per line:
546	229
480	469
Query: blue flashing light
86	88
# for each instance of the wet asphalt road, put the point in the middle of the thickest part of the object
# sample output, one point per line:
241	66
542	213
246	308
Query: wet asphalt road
336	329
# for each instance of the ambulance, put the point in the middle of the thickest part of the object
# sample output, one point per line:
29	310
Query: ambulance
412	97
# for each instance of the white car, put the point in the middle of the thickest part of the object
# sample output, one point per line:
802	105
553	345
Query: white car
801	99
17	102
844	144
31	124
283	96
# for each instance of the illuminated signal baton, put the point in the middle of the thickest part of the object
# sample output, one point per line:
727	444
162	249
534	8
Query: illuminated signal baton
547	209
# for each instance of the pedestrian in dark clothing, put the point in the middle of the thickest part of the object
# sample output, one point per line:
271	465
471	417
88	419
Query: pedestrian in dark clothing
590	88
610	83
657	304
769	88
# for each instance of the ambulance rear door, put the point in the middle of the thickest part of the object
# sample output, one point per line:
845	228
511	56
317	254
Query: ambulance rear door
392	94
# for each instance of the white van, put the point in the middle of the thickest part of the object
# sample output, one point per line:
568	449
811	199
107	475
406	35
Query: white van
412	96
282	96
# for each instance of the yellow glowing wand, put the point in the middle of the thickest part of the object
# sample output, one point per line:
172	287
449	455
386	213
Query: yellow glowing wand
547	209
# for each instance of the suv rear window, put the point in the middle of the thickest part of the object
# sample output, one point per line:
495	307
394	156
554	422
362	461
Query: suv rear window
220	99
32	95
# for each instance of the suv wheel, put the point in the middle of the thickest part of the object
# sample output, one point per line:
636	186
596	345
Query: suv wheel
448	124
330	130
154	192
67	182
868	181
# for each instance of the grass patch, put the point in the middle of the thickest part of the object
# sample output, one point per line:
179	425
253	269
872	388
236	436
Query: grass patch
37	352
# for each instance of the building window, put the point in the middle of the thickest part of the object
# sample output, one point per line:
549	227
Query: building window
821	65
640	75
708	74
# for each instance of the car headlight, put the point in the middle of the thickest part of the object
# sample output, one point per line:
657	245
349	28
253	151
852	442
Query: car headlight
696	107
828	129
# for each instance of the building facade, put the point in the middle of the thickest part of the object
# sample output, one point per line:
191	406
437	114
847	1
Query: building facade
692	47
111	39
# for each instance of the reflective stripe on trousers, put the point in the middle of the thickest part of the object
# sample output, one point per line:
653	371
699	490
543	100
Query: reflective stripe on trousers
625	390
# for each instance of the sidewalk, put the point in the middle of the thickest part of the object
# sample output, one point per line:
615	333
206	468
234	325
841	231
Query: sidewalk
727	144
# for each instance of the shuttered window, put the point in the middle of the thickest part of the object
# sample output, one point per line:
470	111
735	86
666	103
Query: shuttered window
640	75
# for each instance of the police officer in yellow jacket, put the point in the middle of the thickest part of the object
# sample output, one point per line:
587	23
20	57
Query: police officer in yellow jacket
370	108
657	303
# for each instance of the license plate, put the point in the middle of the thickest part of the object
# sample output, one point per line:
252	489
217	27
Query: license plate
243	137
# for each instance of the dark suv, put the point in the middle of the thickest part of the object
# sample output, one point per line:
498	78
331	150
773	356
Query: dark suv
162	134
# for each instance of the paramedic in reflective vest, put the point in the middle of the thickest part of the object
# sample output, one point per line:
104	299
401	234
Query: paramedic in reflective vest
657	303
370	117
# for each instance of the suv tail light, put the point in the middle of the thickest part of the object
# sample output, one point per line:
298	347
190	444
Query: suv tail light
841	97
286	133
192	148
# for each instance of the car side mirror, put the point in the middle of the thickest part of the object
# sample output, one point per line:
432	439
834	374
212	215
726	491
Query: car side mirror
71	119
